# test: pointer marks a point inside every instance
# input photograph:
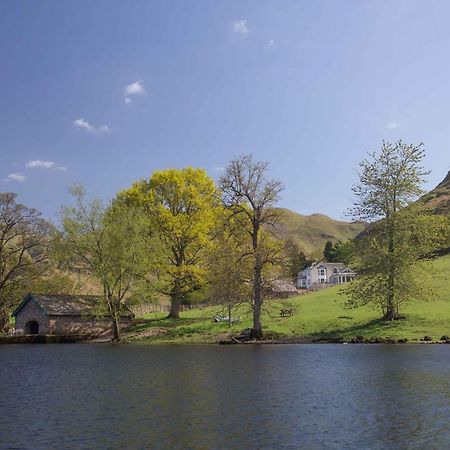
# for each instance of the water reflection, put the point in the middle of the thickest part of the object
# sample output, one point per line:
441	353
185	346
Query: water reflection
298	396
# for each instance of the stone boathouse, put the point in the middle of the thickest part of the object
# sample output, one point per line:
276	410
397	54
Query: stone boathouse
63	315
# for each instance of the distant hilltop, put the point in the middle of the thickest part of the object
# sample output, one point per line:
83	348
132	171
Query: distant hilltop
312	232
438	199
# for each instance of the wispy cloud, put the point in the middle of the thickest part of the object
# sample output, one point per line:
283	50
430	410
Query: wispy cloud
20	177
392	125
271	43
40	164
240	28
83	124
133	89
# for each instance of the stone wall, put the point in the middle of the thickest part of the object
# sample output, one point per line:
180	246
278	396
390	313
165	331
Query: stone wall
90	326
80	325
32	311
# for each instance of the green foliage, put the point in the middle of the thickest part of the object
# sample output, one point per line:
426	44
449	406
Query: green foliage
181	207
107	243
391	253
229	271
317	315
338	252
24	243
328	250
294	260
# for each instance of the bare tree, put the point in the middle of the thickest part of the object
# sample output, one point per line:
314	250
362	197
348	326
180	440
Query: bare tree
23	251
251	197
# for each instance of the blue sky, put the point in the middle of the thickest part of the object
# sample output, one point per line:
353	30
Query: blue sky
104	92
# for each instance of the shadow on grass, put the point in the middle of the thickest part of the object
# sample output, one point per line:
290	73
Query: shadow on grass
371	328
145	324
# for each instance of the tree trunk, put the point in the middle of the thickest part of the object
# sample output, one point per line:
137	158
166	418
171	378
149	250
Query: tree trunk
390	311
4	321
116	330
174	307
390	300
256	332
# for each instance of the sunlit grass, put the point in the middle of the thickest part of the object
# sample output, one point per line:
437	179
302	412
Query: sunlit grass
319	314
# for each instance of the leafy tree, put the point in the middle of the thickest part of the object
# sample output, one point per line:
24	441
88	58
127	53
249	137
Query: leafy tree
181	206
294	260
328	251
228	272
105	242
338	252
251	196
392	253
24	239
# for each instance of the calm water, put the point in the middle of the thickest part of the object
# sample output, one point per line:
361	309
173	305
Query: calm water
207	397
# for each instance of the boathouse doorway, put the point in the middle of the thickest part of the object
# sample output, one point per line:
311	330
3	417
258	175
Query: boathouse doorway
32	327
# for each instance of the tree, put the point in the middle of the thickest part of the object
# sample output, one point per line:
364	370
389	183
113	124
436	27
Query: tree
294	261
181	206
228	272
251	197
328	251
392	252
105	242
24	238
338	252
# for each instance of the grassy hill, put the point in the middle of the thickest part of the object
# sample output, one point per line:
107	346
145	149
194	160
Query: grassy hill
317	315
438	199
312	232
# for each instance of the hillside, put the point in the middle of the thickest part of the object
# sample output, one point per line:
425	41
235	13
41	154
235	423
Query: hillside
438	199
313	231
316	315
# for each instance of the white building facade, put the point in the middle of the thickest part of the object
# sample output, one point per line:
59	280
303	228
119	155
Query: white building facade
324	274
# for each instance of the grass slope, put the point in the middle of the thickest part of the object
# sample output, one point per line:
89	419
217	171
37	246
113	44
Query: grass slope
437	200
319	314
313	231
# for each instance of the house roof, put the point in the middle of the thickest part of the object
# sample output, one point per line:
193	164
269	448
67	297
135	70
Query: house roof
283	286
328	265
66	305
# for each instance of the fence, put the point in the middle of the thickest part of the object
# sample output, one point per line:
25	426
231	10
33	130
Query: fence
140	310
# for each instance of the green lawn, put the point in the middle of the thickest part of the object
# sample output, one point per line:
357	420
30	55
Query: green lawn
319	314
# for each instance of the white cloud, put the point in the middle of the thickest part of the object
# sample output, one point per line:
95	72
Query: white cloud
271	43
40	164
240	27
20	177
392	125
136	88
83	124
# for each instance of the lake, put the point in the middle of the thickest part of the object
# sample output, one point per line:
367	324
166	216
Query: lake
78	396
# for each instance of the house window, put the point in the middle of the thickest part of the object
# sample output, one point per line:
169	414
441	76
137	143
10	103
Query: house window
335	270
322	272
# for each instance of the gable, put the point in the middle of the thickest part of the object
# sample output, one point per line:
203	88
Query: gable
66	305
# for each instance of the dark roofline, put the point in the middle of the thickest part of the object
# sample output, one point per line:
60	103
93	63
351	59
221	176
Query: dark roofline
125	309
28	297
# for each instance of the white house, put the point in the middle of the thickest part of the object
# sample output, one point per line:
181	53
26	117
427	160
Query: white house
323	274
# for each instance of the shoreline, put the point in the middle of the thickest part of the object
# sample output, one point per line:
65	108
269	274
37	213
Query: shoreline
159	339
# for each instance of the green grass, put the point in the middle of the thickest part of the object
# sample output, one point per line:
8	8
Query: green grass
316	315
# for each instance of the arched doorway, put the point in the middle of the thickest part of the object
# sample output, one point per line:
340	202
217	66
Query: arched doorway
32	327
